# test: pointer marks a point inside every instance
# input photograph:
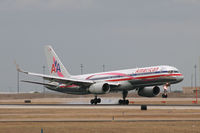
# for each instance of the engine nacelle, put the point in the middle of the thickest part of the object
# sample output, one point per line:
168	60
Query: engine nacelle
149	91
99	88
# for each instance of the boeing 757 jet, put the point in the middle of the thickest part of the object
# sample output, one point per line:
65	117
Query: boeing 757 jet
145	81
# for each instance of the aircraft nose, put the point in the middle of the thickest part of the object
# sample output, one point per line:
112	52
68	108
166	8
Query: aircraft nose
180	78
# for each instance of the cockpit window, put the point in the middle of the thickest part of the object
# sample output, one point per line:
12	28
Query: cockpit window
171	71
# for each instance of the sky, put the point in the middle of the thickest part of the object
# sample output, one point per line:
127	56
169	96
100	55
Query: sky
118	33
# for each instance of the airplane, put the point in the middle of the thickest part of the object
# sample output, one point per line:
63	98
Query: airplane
145	81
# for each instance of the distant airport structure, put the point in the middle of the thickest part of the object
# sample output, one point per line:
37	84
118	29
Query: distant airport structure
190	90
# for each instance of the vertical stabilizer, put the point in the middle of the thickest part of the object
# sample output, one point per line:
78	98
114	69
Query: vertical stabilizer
55	66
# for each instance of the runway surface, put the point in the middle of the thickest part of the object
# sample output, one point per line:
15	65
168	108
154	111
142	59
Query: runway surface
175	115
72	113
100	106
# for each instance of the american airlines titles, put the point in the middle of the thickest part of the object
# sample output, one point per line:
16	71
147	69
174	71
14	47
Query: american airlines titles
146	70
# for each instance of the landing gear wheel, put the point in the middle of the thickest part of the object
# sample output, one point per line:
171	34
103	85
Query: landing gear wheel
123	102
126	102
98	100
120	102
92	101
164	95
95	103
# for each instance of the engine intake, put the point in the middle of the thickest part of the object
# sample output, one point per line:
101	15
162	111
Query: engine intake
149	91
99	88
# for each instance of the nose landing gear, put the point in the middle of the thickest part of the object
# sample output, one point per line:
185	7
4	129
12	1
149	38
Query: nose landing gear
164	95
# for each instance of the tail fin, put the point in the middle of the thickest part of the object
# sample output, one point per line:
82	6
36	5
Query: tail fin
55	66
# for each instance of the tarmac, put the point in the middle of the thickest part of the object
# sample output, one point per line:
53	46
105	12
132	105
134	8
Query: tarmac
100	106
64	114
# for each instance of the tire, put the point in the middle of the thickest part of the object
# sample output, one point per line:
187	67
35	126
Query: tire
95	102
98	100
126	102
120	102
164	95
123	102
92	101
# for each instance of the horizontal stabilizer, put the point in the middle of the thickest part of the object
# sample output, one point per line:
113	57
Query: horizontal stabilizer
39	83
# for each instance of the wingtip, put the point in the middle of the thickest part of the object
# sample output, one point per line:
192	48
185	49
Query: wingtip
17	67
48	46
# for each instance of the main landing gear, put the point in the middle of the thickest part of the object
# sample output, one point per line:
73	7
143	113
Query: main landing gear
164	95
124	101
95	100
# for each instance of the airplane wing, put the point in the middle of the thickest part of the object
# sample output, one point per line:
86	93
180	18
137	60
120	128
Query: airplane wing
63	80
54	85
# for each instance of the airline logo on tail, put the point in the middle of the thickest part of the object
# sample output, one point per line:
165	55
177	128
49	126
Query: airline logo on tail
56	68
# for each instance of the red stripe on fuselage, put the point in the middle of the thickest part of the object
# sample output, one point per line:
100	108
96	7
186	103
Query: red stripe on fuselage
156	76
145	77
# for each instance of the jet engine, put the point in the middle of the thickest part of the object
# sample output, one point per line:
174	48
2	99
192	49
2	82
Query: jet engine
99	88
149	91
